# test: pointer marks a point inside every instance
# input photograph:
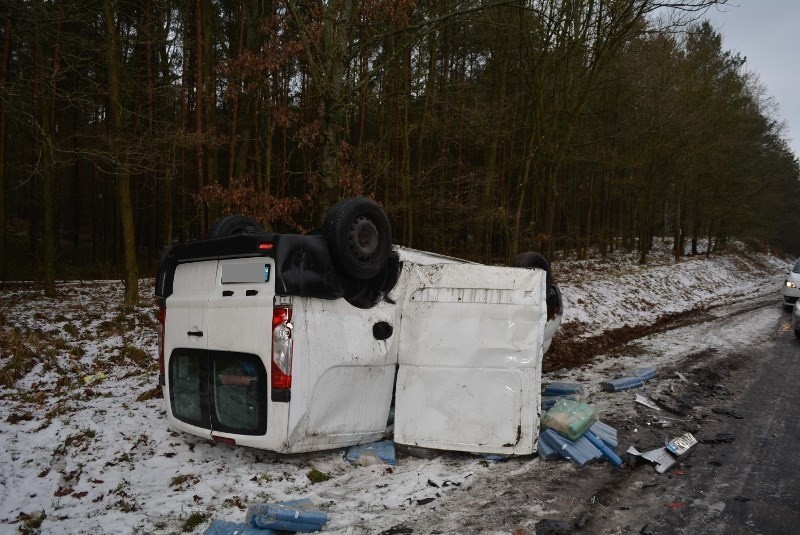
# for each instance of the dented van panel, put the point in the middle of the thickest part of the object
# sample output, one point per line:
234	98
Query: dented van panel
470	359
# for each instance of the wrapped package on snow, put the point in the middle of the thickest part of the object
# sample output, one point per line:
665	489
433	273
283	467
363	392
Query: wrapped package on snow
299	516
570	418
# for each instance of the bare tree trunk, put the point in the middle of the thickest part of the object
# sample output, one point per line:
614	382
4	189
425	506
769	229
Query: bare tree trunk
3	126
199	98
123	171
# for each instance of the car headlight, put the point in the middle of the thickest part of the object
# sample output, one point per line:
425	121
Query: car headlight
790	284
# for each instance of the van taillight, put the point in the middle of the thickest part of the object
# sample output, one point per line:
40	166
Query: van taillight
281	348
162	320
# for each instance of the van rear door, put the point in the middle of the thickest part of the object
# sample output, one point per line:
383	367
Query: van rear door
186	343
470	359
239	325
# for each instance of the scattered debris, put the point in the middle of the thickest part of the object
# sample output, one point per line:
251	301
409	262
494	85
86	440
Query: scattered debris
606	433
94	378
425	501
578	453
681	445
371	454
727	412
607	453
224	527
297	515
645	374
741	499
560	389
545	451
682	377
624	383
641	400
668	456
719	438
549	401
674	505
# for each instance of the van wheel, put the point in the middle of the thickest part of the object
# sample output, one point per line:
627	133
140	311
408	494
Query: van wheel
533	260
359	237
233	224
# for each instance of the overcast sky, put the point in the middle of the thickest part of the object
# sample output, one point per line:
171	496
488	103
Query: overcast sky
767	33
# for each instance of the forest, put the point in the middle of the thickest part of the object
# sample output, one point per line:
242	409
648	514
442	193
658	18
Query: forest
484	128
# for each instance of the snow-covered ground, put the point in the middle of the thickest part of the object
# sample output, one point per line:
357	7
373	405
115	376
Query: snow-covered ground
83	440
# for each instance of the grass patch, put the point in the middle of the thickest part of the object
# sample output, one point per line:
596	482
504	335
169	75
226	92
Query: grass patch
24	351
194	520
153	393
31	522
315	476
138	356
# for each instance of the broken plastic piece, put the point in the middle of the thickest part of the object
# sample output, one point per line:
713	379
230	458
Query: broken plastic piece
660	457
570	418
560	389
641	400
645	374
372	453
682	377
624	383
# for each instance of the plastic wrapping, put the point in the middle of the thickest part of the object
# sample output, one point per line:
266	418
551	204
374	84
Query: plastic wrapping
560	389
299	516
372	453
606	433
645	374
623	383
549	401
577	452
546	451
223	527
607	453
570	418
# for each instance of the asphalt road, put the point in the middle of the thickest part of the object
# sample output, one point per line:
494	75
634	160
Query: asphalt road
752	484
744	476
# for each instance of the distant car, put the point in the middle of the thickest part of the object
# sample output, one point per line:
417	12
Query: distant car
796	319
791	286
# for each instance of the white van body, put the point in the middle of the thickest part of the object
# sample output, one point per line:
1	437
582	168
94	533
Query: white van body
462	359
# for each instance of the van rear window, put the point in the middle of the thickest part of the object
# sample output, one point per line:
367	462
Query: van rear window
219	390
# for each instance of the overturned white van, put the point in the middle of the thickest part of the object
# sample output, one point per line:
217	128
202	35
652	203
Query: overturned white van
271	341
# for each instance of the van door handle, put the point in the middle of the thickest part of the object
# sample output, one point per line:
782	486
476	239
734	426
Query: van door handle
195	333
227	293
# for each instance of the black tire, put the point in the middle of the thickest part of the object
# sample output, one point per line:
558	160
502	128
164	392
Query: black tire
797	333
359	237
230	225
533	260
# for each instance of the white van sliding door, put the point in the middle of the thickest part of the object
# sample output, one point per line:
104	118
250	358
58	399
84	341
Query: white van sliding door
470	359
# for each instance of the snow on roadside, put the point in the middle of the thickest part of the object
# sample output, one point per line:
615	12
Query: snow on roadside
604	294
83	440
